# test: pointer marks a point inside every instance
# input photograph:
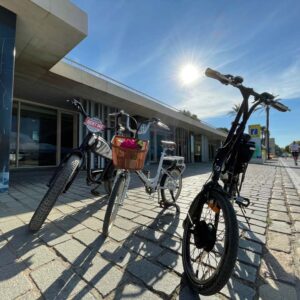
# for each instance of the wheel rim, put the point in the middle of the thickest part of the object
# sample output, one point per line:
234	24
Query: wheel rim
116	204
173	185
206	245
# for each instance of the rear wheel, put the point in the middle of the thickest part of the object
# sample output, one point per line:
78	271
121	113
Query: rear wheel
171	184
210	244
58	185
115	199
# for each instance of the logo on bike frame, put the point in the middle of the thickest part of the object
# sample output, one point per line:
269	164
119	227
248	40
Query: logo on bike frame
94	124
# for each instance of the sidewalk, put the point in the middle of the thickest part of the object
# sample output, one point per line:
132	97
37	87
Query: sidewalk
69	259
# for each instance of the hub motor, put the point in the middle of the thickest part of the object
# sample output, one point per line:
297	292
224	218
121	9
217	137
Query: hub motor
205	235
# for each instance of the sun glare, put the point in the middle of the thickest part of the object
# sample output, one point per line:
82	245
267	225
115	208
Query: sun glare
189	74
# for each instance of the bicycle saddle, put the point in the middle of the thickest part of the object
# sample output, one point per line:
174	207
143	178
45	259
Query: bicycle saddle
168	144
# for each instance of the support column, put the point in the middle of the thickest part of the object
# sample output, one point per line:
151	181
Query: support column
204	148
7	59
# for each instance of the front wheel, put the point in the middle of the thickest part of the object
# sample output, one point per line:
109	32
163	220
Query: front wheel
64	175
171	185
114	201
210	244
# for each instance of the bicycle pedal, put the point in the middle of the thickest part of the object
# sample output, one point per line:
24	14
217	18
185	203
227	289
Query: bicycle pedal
242	201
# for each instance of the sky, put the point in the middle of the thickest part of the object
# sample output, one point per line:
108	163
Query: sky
146	43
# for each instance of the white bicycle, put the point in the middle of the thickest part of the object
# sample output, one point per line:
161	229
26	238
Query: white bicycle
167	181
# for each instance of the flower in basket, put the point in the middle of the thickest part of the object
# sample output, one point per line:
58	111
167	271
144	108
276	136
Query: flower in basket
132	144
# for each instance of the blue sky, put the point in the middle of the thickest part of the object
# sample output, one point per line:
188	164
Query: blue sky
144	44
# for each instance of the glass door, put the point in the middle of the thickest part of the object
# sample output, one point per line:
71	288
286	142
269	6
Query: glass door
67	139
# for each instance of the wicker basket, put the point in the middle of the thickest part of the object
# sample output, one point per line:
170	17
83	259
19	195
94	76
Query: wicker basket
126	158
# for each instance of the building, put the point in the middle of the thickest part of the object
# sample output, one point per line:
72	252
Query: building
37	125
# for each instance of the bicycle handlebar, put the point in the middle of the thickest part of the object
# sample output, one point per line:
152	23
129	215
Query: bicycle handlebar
78	105
236	81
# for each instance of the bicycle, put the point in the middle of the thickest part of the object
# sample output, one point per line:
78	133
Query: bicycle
211	237
168	175
69	167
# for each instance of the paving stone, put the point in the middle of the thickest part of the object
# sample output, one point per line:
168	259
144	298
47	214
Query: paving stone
278	265
93	223
150	234
279	216
172	261
280	227
248	257
149	213
56	281
172	243
118	234
53	235
297	226
256	237
31	295
237	290
295	216
142	247
69	225
10	225
156	277
278	241
13	282
38	256
100	214
189	294
127	214
102	275
133	208
89	237
245	272
250	245
281	208
277	291
117	253
125	224
294	209
6	255
133	291
73	251
142	220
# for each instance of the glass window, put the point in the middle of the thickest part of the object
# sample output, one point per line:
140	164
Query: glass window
66	134
37	140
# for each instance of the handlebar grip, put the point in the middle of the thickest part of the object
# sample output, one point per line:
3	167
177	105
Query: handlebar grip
162	125
279	106
217	75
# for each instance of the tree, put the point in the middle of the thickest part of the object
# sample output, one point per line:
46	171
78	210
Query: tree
189	114
234	110
223	129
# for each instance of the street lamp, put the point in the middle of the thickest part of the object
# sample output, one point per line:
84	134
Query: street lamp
279	106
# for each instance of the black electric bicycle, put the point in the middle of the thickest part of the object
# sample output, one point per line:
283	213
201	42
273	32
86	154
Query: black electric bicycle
69	167
211	237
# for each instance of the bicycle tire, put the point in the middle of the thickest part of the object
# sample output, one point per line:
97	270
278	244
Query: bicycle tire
57	187
113	204
227	261
174	172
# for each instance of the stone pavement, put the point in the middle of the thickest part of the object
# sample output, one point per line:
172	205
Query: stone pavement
70	259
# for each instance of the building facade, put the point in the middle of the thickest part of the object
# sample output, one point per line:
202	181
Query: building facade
38	127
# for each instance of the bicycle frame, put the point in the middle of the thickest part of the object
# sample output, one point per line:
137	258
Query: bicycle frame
152	183
236	131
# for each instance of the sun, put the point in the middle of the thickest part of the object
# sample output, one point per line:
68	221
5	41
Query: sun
189	74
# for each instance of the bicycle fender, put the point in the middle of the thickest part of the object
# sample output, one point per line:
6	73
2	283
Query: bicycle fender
210	187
